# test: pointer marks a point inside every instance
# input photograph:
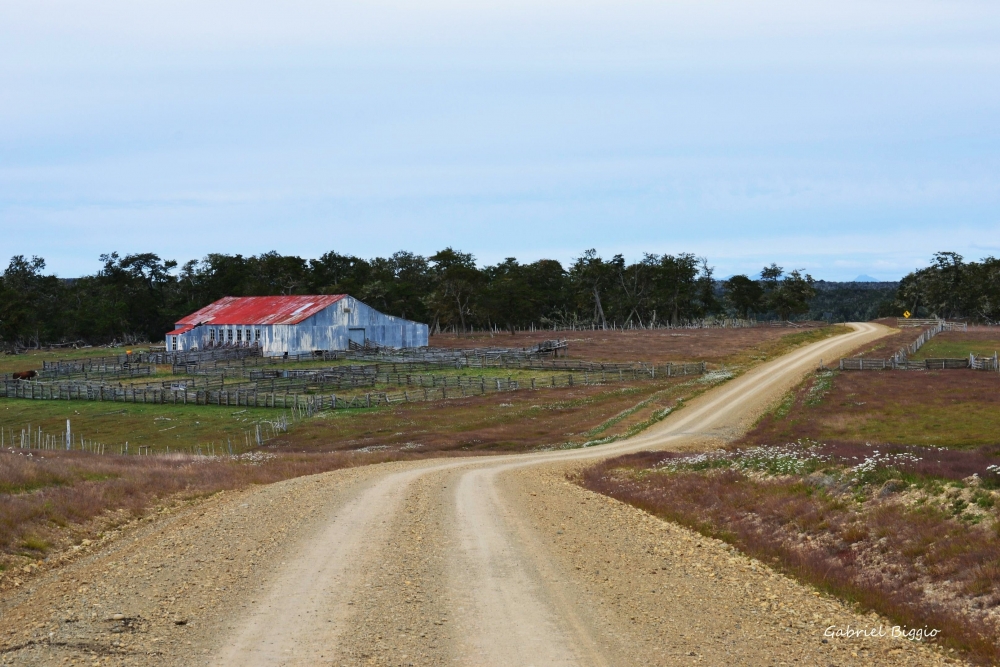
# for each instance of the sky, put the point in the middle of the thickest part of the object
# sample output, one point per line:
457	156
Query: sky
841	138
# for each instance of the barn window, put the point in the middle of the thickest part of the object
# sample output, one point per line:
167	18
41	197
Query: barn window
211	335
239	335
256	334
229	335
248	336
173	342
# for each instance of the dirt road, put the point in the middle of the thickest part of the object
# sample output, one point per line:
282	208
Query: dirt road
497	561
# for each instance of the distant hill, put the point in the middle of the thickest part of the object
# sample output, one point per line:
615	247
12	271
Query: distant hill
865	278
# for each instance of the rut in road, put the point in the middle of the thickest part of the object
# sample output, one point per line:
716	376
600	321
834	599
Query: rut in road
309	599
510	608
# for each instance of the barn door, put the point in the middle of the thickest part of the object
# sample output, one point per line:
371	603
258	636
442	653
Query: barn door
356	336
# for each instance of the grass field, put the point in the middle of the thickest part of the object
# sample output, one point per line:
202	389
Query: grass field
484	424
528	420
952	408
981	341
179	427
32	359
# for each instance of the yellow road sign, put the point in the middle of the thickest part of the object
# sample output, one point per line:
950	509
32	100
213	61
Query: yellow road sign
906	314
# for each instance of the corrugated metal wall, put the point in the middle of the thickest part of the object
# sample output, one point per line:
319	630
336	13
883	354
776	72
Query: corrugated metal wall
329	329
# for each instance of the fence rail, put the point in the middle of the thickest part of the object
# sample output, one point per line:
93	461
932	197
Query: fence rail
865	364
914	322
413	388
901	361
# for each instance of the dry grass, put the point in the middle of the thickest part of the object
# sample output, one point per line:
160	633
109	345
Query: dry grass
43	493
922	557
888	345
497	423
656	345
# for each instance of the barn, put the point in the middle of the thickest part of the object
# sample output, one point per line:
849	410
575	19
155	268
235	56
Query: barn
281	325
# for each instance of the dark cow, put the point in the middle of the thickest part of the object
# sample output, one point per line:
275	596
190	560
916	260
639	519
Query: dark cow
24	375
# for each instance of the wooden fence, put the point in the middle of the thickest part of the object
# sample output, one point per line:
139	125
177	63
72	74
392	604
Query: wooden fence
70	440
913	322
984	363
419	389
865	364
901	361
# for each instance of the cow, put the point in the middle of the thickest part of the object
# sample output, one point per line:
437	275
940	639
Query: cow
24	375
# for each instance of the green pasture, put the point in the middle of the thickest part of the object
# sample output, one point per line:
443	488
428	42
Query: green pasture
948	348
179	427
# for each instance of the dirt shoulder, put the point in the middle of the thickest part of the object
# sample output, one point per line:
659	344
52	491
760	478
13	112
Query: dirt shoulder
670	595
162	592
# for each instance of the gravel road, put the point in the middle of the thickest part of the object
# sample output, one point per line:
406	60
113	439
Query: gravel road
496	561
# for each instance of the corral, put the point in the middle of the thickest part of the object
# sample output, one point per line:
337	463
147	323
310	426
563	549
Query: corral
243	377
927	353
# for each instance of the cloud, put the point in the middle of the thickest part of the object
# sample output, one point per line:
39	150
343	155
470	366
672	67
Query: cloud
841	137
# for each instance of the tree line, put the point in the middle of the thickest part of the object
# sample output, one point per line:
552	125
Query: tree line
137	297
953	288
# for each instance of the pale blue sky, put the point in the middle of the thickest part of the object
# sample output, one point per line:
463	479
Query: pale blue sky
843	138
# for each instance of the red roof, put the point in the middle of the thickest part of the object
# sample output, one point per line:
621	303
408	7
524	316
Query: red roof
180	330
261	309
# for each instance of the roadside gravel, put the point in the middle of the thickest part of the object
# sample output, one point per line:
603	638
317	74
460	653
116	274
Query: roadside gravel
165	590
666	595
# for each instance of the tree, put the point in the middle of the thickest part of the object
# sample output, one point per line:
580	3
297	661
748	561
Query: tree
590	276
272	273
508	299
29	301
456	281
549	289
708	303
951	287
398	284
334	273
134	296
788	295
746	296
677	287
